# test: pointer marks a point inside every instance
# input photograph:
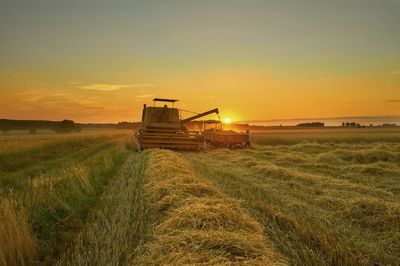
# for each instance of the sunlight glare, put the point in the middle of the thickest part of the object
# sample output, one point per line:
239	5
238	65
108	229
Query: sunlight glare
227	120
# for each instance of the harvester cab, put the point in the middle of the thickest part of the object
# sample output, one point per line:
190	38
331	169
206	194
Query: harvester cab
161	117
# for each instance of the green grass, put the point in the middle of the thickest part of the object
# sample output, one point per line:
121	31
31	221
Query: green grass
117	224
57	216
47	134
320	202
317	196
325	135
58	182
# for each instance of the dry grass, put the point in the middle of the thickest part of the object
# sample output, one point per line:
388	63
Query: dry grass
373	214
292	136
17	246
40	214
197	224
106	238
320	203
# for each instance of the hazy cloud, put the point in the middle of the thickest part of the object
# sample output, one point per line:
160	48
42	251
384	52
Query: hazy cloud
74	83
395	72
35	96
325	79
393	101
144	96
113	87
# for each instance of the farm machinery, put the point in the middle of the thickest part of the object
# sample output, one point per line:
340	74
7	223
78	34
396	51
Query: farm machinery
215	135
162	127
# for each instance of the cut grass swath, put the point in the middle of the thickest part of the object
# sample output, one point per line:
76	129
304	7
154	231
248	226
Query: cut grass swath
194	223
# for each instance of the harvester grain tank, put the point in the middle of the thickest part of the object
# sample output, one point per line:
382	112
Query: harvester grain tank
162	127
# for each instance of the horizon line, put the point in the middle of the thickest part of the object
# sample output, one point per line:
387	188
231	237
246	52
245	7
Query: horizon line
240	121
320	118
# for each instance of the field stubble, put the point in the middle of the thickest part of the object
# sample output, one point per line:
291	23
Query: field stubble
321	203
194	223
302	200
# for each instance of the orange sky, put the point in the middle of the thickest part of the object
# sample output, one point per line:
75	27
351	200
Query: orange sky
241	94
256	60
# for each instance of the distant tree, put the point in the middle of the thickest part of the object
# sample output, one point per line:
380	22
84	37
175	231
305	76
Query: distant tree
66	126
389	125
125	125
352	124
312	124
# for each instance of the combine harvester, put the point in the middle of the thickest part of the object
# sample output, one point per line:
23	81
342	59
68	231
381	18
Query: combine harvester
162	127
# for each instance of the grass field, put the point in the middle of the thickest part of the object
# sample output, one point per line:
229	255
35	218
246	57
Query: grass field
298	197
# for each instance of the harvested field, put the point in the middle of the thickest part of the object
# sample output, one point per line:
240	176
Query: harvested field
92	200
320	203
195	223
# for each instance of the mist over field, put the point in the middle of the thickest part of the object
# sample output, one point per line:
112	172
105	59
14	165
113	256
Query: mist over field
329	121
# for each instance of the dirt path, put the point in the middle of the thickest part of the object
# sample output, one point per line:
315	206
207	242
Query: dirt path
107	239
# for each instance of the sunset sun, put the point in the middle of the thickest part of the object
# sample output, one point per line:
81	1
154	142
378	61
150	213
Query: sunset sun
227	120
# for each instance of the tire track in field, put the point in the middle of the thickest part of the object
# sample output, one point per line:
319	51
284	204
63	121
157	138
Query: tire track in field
107	238
50	157
23	177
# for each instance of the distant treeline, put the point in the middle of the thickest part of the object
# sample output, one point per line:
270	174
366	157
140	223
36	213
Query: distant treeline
10	124
128	125
350	124
312	124
354	124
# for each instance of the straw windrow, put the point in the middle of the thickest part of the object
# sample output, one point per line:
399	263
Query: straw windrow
197	224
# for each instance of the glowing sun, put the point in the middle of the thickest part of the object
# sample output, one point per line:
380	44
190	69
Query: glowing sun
227	120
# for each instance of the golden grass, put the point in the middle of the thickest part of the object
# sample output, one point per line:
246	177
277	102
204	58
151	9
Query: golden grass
197	224
17	245
290	136
39	216
320	203
106	238
370	213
